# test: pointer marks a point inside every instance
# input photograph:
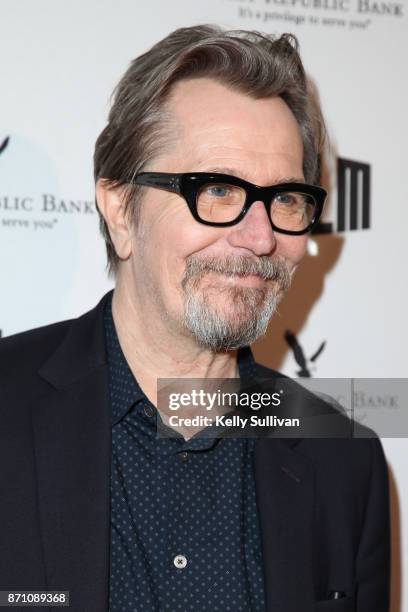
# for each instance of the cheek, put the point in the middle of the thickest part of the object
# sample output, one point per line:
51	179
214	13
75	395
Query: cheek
292	248
173	229
173	240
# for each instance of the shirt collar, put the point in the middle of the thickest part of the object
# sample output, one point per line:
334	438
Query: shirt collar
123	386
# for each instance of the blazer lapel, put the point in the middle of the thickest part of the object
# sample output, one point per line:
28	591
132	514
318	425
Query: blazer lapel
285	493
72	438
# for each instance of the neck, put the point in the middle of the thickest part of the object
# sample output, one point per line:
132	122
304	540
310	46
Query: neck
155	349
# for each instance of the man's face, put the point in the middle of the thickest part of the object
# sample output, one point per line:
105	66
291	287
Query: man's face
186	269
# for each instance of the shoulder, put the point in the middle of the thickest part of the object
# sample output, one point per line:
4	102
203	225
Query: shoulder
344	453
28	350
334	435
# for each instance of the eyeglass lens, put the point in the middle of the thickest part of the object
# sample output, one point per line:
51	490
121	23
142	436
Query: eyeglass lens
220	203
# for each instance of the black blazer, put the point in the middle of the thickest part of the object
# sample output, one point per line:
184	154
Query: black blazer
323	503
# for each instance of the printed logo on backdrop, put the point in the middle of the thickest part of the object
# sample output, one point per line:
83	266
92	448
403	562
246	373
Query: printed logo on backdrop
4	144
353	198
306	364
38	207
347	14
376	403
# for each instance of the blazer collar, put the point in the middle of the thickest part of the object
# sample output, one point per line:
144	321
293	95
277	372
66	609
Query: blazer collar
82	350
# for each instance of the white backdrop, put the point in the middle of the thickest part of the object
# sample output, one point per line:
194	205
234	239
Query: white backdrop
60	62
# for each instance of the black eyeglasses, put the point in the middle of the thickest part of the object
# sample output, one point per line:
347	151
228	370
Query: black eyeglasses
222	200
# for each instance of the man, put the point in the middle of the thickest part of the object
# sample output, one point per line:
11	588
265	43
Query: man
204	183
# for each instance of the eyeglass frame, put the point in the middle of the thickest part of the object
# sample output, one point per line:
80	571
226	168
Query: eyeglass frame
187	185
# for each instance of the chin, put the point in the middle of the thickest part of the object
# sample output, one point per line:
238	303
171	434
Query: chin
235	298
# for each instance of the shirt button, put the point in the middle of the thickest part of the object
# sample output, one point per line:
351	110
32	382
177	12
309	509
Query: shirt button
183	456
148	410
180	561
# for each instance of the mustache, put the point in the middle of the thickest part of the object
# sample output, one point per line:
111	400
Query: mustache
269	269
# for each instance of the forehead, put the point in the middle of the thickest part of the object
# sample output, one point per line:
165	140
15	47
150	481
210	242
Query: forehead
218	125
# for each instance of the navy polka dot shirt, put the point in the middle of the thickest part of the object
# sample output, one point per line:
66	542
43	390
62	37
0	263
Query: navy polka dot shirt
184	524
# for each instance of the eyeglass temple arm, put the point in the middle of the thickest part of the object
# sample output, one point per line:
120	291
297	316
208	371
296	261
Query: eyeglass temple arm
169	182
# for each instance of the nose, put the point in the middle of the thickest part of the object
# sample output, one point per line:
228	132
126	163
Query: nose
254	231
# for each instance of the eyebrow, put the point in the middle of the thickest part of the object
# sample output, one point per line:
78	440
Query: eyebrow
232	172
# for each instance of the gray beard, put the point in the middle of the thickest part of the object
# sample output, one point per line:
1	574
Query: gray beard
253	307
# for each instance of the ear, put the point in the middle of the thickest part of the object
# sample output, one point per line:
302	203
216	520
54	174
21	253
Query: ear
111	205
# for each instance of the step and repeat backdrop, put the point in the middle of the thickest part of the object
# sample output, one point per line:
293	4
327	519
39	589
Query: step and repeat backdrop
345	315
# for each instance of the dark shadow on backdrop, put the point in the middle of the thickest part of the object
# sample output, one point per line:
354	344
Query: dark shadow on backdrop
307	287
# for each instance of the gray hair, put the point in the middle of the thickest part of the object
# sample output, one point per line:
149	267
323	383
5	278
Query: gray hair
259	65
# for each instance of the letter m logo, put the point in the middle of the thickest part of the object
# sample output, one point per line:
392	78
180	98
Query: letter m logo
353	189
